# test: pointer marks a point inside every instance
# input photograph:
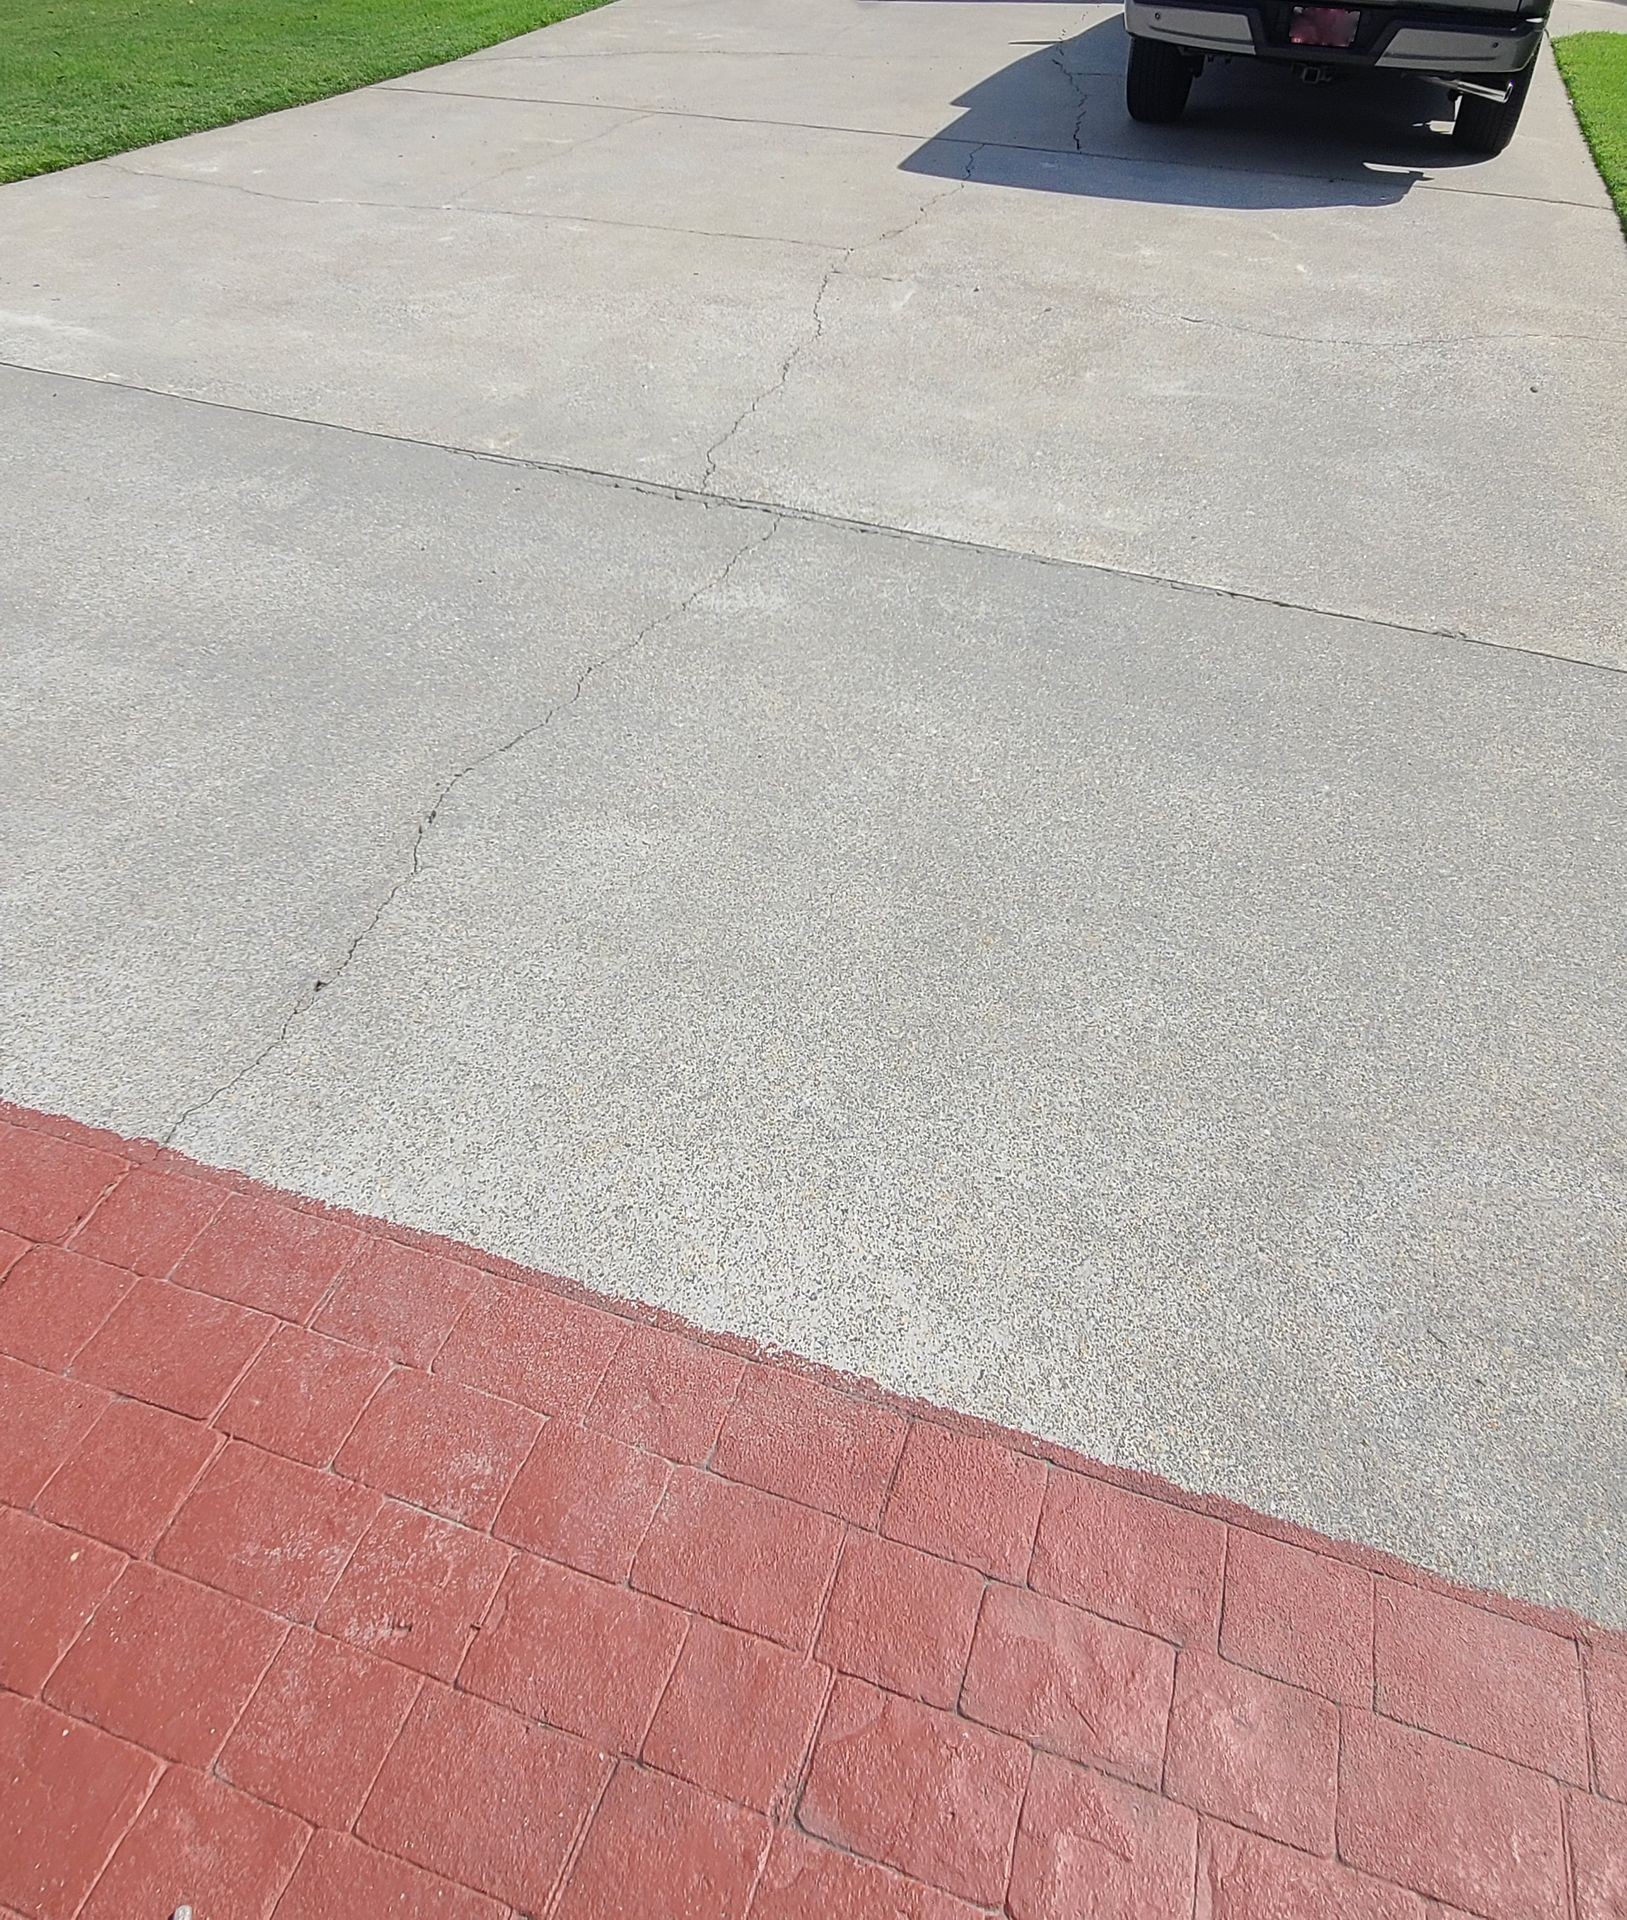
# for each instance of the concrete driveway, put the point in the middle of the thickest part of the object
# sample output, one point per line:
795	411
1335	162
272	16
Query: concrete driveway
754	652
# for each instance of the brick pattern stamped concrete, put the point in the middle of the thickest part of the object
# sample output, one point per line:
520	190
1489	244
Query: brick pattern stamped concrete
348	1572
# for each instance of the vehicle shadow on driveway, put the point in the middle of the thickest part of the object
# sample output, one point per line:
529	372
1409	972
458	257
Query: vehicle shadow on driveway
1253	136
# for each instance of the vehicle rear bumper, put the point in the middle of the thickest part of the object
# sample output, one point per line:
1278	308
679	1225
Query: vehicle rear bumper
1417	39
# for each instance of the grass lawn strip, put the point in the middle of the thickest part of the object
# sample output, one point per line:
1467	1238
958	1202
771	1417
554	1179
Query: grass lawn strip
80	79
1595	70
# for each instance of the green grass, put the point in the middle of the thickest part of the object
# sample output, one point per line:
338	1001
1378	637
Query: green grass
1595	70
80	79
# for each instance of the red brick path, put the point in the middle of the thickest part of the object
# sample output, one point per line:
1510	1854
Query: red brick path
344	1573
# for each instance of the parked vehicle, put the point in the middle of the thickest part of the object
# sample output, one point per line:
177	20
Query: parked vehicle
1483	54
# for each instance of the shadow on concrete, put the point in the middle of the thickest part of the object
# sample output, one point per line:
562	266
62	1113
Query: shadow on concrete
1253	135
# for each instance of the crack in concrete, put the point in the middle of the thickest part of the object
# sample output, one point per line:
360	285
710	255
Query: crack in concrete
414	866
966	172
841	264
1073	80
777	385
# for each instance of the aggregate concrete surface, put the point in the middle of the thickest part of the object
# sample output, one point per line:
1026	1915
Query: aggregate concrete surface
1011	779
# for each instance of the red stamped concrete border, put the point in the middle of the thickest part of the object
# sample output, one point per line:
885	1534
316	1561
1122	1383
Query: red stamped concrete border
343	1566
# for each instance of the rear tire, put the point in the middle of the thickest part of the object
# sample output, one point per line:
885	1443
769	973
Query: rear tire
1487	126
1158	81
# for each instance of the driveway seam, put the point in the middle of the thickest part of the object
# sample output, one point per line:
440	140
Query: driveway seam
814	516
841	269
458	206
1003	146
